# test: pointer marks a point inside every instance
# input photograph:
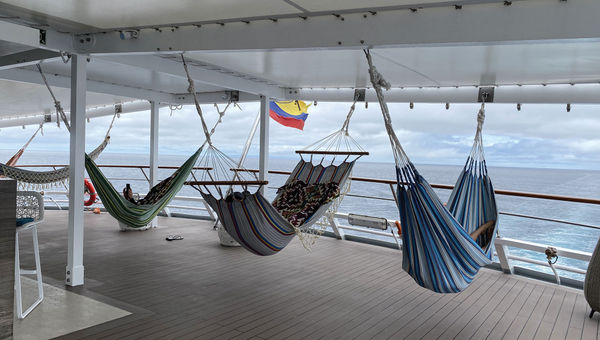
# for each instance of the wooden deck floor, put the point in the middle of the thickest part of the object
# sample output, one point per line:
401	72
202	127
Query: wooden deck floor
195	288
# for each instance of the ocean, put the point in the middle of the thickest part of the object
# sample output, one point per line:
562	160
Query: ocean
579	183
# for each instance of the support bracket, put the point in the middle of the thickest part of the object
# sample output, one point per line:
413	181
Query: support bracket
486	94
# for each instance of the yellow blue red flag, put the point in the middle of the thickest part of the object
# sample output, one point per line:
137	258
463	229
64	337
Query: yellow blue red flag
289	113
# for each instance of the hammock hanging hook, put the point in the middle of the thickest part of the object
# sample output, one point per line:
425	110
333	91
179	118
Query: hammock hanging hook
65	56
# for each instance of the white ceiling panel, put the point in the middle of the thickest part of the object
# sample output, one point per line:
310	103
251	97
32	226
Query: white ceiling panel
22	99
421	66
114	73
105	14
332	5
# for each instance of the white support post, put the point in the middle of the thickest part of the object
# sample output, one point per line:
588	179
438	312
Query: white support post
263	163
75	270
339	233
154	149
503	256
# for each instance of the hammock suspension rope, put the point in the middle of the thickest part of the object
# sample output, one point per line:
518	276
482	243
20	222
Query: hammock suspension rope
15	158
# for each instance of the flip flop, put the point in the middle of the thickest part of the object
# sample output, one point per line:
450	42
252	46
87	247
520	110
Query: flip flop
174	237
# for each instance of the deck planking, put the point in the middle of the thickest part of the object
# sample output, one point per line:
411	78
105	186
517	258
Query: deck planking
196	289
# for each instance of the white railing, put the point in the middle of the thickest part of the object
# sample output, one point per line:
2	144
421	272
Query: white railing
505	258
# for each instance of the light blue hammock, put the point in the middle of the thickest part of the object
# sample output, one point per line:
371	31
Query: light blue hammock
438	251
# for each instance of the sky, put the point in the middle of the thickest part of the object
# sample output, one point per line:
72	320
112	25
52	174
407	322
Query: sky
543	136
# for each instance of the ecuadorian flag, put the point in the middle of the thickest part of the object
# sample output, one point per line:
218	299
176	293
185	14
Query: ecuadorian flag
289	113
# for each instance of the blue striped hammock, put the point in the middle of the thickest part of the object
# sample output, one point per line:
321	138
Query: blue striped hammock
443	247
438	249
256	225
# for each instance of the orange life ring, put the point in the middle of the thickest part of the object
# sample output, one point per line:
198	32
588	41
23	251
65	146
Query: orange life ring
399	226
89	188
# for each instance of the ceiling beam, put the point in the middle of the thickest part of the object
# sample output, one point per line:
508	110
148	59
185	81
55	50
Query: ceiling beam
64	81
473	24
19	34
34	37
202	73
58	80
216	97
26	58
93	112
525	94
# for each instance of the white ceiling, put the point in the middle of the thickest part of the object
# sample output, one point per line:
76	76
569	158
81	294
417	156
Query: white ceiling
108	71
489	63
105	14
23	99
330	5
421	66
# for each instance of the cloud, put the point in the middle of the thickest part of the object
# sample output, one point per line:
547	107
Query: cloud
536	136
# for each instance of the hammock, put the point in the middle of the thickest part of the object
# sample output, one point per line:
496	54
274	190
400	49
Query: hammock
129	213
41	180
438	250
254	222
139	215
257	225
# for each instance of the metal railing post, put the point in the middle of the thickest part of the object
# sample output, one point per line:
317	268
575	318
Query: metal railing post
339	233
503	254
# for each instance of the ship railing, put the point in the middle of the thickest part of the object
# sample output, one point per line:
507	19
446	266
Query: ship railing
505	258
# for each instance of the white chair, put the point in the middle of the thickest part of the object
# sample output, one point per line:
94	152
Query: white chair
30	204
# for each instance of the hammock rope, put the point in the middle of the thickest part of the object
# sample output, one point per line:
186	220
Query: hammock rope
339	142
15	158
437	248
59	110
192	90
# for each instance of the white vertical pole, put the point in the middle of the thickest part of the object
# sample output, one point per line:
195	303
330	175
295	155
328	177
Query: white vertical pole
75	268
502	251
263	162
154	149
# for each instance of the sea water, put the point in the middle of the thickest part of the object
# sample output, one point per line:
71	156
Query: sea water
579	183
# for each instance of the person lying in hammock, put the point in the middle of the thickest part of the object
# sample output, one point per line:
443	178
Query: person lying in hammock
153	196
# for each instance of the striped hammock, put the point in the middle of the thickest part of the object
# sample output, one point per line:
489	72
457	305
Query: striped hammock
136	216
438	250
255	224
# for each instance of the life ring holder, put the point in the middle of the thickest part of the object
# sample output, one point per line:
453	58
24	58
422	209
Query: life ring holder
90	189
399	226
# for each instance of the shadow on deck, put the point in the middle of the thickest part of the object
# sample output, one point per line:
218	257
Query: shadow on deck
195	288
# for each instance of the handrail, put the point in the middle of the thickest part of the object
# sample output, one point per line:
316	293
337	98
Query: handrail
450	187
551	197
107	166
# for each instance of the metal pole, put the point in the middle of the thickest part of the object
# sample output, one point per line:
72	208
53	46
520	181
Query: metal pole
154	149
263	162
75	269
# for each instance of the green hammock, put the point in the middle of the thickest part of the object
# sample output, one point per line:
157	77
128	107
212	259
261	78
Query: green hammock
137	216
